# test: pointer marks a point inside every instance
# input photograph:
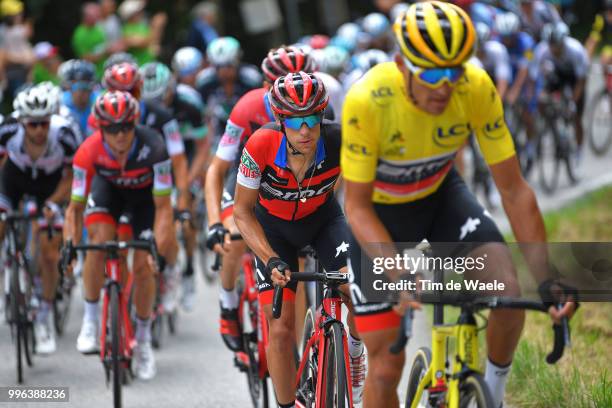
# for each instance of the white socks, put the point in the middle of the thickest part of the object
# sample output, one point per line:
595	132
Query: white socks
143	330
43	311
229	298
496	378
355	347
91	311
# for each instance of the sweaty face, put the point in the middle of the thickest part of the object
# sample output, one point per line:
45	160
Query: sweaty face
227	73
305	139
80	98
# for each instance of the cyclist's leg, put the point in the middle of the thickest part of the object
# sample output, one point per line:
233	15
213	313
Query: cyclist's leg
100	219
279	353
461	219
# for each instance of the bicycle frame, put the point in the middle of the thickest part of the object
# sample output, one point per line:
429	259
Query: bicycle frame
466	360
329	311
258	319
127	339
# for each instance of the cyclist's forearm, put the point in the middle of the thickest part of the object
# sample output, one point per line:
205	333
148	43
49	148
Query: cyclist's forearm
199	161
73	225
502	87
213	188
520	79
527	224
579	89
369	230
253	234
62	192
181	181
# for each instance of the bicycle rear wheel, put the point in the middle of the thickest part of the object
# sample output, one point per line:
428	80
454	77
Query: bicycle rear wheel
336	381
116	366
61	309
16	320
599	128
420	365
474	392
549	160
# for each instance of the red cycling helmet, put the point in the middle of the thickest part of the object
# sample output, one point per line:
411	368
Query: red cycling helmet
286	60
298	94
319	41
122	77
115	107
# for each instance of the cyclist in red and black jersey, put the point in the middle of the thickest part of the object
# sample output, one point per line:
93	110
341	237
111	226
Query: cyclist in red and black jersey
126	77
284	202
121	169
250	113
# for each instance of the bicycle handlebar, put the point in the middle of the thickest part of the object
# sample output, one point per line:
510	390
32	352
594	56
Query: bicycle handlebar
561	331
217	265
331	278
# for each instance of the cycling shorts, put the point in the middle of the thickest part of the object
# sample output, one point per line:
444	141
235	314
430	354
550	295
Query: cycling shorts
325	230
451	214
108	204
15	184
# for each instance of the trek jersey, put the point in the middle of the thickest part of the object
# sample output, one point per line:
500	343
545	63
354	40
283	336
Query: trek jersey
148	165
250	113
407	152
263	167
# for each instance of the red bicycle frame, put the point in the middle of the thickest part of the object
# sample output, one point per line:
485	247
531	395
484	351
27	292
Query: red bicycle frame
331	309
258	320
126	336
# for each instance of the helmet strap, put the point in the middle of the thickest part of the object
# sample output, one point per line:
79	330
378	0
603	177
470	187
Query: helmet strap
410	93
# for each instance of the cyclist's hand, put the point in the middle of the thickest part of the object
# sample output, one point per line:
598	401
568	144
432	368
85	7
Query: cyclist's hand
218	238
67	257
279	271
511	97
407	299
51	210
554	293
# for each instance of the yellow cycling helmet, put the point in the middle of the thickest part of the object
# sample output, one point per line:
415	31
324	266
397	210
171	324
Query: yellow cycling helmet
435	34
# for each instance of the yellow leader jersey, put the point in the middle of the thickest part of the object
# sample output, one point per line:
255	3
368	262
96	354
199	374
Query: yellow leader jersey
407	152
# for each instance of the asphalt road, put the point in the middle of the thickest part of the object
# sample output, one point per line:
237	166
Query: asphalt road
194	367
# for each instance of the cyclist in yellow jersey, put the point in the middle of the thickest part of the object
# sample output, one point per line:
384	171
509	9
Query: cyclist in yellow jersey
403	123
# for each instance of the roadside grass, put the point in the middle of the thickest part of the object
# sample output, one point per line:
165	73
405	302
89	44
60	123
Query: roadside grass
583	377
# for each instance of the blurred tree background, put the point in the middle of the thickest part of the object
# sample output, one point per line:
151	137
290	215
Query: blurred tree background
55	21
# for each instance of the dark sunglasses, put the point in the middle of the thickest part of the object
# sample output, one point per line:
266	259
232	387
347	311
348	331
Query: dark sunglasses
296	122
118	128
36	123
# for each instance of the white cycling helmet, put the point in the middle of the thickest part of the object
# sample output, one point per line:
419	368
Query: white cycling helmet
555	33
398	9
349	33
37	101
370	58
507	24
376	25
187	61
335	59
224	51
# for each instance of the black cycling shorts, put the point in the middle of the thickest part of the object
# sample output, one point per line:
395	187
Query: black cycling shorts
111	205
452	214
325	230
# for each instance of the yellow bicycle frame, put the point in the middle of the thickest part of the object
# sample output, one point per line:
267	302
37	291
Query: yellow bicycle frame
466	356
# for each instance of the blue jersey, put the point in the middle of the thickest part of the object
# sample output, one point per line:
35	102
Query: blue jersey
521	52
80	116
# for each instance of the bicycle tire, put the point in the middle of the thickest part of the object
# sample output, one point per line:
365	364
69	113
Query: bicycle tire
16	319
420	365
336	381
28	338
548	150
599	148
473	389
61	310
308	378
172	322
156	331
116	366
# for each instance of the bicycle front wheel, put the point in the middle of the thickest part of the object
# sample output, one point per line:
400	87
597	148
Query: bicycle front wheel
474	392
599	129
116	365
336	381
549	160
420	365
308	376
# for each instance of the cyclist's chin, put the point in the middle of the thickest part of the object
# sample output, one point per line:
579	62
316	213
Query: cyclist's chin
436	106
